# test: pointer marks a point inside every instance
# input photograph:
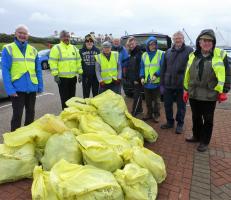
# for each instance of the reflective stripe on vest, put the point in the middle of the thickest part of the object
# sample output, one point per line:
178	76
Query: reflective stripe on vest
69	64
218	68
21	64
152	66
109	70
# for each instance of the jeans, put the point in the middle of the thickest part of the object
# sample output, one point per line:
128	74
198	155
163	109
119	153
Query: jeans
171	95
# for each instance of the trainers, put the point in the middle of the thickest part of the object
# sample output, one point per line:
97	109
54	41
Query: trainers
191	139
166	126
156	119
202	147
179	130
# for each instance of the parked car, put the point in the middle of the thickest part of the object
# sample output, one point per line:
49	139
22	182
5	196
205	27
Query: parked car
164	43
43	58
228	50
2	89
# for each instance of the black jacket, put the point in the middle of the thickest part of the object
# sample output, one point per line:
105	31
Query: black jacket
88	60
133	70
175	63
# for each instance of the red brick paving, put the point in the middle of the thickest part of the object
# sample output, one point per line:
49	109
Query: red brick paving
178	156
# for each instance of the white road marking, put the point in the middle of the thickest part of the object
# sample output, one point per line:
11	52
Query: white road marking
41	95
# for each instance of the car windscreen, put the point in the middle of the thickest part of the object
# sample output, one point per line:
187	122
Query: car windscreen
161	41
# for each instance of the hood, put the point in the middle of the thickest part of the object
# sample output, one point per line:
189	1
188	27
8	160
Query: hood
209	32
147	42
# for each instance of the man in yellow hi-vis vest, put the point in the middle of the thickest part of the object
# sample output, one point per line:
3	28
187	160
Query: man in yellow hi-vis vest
151	63
22	76
108	69
204	85
65	65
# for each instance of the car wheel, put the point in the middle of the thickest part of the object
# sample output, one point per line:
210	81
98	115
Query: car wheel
45	65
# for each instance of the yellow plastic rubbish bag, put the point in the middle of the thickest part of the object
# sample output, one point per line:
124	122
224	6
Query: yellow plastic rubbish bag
149	160
136	182
147	131
92	123
132	136
72	181
26	134
50	123
103	151
41	187
80	104
61	146
16	162
111	107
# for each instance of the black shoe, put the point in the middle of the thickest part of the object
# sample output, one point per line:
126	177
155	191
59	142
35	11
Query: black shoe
166	126
202	147
191	139
147	118
179	130
156	119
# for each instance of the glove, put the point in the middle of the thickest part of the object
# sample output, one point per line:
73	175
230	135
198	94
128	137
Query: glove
185	96
222	97
142	81
117	82
80	78
161	89
154	77
101	84
57	80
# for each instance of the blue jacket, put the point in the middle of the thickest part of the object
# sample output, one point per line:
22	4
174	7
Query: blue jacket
151	55
123	55
23	84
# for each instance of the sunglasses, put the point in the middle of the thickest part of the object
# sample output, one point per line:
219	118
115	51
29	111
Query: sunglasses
88	41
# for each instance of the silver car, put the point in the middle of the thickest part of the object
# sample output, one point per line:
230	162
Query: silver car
2	89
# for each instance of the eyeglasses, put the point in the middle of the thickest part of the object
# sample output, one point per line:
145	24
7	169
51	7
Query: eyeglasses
88	41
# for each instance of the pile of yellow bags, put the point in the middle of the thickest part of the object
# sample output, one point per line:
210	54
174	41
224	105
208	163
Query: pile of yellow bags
92	150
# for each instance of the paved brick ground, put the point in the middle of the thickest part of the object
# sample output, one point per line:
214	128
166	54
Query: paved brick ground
191	175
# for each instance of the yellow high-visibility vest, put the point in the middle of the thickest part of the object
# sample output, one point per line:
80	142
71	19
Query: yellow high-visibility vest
151	67
65	61
217	66
22	64
109	70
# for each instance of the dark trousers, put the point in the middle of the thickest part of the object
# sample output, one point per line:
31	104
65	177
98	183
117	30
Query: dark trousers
67	89
202	117
152	98
171	95
137	99
26	100
90	83
112	86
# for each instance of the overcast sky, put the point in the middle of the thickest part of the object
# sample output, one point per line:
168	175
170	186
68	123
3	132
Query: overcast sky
43	17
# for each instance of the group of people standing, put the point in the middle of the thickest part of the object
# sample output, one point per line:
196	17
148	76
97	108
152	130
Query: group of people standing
179	74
